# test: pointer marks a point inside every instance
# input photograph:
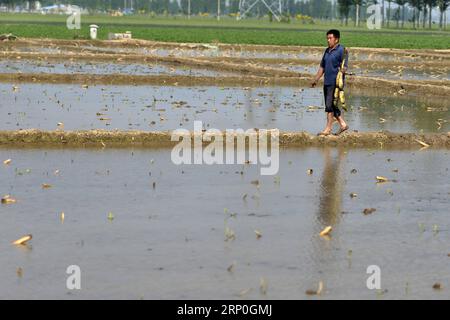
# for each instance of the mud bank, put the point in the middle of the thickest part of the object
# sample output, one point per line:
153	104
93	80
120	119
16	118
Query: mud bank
121	79
102	139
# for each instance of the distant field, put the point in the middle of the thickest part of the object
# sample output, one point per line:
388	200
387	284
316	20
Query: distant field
206	30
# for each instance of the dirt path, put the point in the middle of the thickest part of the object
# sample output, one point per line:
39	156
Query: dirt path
101	139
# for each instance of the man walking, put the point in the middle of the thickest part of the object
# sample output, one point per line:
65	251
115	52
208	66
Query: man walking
330	66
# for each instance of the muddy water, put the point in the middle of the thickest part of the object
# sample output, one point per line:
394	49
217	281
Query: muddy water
43	106
167	240
220	50
301	53
30	66
213	51
419	71
404	74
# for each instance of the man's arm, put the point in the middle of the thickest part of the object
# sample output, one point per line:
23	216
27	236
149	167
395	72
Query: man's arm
317	77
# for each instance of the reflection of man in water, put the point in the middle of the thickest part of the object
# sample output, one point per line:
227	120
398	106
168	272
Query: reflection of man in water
331	186
330	65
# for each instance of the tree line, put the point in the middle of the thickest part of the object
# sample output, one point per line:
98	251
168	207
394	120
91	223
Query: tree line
418	12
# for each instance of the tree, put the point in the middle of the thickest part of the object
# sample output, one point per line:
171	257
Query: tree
401	4
344	9
443	6
234	6
320	8
290	7
185	7
389	12
417	7
424	16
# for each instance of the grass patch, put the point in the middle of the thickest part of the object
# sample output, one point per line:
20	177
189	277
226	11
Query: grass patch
179	29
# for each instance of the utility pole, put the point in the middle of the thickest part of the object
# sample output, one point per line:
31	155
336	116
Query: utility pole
218	10
189	9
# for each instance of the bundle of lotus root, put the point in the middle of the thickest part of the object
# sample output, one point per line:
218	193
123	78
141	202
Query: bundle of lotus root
339	91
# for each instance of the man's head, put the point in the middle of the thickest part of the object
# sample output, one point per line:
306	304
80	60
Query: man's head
333	37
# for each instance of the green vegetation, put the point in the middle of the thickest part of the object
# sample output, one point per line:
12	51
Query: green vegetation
251	31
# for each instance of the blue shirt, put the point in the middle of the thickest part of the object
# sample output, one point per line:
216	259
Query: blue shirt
331	62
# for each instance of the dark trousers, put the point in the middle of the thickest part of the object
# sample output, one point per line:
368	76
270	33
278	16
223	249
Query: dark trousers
328	93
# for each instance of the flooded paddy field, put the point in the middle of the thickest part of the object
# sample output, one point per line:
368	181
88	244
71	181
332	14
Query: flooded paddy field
160	49
224	50
141	227
160	108
96	187
383	63
400	72
78	67
418	72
